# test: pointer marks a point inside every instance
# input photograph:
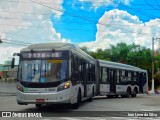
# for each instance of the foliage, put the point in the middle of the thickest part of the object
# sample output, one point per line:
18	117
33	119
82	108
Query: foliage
132	54
157	79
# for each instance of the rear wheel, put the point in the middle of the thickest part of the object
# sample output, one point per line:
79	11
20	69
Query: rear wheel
109	96
116	96
128	93
134	93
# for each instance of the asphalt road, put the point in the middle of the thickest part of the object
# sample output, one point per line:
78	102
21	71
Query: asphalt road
113	108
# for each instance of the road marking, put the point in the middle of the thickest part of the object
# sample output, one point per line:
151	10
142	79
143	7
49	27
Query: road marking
147	109
117	117
46	119
69	118
96	118
120	118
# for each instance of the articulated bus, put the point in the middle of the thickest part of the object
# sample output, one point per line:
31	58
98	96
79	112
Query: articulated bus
116	79
60	73
54	73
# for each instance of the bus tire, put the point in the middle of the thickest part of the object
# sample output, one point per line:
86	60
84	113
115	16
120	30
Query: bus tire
134	93
116	96
76	105
109	96
92	95
128	93
38	105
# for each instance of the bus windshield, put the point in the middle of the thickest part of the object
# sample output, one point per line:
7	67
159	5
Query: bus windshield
42	70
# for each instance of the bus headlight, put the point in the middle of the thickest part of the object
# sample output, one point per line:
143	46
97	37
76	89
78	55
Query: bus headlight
63	86
20	88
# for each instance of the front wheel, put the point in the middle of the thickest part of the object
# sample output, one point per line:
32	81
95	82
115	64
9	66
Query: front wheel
38	105
76	105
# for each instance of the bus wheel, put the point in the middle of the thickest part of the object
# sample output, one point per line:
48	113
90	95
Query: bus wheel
116	96
109	96
92	95
76	105
38	105
128	93
134	93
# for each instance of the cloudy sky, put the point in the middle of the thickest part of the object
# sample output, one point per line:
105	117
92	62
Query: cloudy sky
91	23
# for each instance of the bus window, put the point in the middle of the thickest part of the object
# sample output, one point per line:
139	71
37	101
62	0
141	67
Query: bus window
118	76
129	75
132	76
93	72
80	73
74	70
104	75
135	76
123	76
126	75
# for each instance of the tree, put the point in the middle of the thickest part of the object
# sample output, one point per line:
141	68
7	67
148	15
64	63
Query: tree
157	79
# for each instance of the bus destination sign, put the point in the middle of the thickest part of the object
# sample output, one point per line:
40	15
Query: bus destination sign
42	55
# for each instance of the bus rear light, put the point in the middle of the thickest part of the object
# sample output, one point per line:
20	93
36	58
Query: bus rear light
20	88
63	86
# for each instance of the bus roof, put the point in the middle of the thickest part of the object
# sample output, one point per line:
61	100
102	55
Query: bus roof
120	66
58	46
49	46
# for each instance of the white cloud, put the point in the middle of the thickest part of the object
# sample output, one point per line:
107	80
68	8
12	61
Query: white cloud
98	3
123	27
6	53
26	21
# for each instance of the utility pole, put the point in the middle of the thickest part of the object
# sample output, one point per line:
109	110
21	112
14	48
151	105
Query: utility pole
153	41
0	40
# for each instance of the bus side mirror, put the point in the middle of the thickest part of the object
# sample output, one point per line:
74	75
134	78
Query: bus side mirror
12	64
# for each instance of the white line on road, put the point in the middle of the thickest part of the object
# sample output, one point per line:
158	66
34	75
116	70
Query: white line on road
46	119
120	118
148	109
95	118
69	118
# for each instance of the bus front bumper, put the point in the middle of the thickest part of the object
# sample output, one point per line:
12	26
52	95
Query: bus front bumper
44	98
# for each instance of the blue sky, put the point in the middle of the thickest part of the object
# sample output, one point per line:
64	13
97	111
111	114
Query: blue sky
91	23
79	30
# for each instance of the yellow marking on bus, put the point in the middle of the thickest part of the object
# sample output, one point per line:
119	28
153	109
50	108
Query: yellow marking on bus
55	61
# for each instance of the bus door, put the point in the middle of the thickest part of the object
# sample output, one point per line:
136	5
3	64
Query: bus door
112	74
141	82
84	78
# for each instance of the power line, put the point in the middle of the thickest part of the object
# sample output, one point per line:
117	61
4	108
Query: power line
66	22
77	3
57	15
70	14
73	16
146	34
16	41
150	5
26	12
157	3
20	35
139	11
77	28
4	40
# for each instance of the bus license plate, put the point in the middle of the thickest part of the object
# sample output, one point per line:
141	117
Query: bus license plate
40	100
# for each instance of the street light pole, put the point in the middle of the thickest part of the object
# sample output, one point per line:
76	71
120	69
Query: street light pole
0	40
152	90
